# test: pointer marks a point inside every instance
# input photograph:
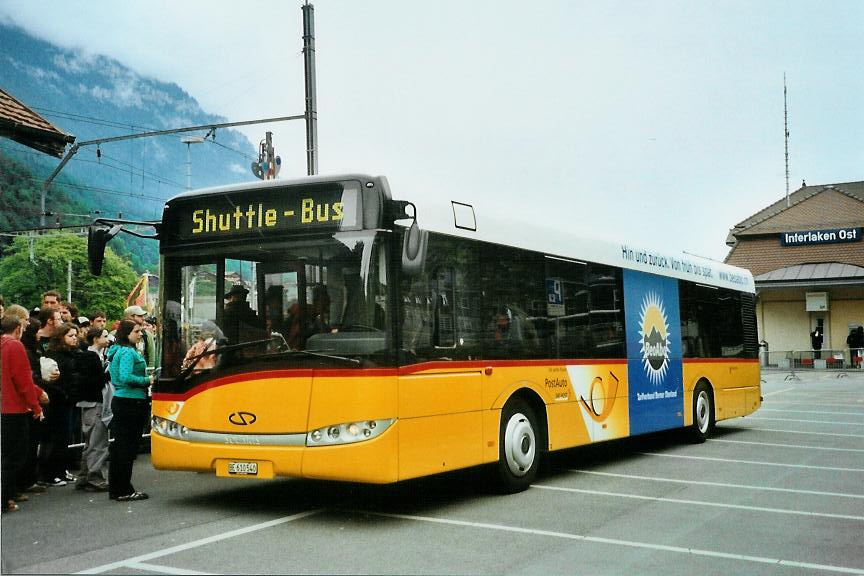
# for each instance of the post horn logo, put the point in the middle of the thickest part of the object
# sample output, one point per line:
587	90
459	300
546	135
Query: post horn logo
601	397
242	418
654	338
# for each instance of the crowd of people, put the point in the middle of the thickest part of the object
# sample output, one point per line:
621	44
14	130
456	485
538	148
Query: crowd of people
56	365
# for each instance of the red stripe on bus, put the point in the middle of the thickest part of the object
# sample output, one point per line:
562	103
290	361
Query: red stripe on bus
720	360
269	375
373	372
413	369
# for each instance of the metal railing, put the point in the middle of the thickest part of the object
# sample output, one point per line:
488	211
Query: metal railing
824	359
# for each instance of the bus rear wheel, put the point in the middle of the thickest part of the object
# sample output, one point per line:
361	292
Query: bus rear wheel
703	413
518	453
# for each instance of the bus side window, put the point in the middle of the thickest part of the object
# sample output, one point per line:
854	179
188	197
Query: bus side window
444	325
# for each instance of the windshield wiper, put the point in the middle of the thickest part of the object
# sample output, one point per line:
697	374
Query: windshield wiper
323	354
194	361
286	349
278	338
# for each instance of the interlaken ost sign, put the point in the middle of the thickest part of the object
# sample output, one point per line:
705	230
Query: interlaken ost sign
829	236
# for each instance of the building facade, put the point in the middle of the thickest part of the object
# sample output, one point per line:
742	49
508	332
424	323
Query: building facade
807	259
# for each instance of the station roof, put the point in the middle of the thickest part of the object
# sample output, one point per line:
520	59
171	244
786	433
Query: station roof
23	125
827	273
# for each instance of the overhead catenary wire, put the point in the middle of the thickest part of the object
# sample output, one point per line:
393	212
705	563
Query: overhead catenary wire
145	174
102	190
90	119
135	128
75	147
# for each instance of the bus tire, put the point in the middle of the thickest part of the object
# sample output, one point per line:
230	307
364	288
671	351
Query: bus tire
518	449
703	413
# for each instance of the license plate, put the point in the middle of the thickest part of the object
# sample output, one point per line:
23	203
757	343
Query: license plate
244	468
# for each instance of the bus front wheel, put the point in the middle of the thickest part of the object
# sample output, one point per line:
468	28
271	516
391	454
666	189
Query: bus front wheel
518	453
703	413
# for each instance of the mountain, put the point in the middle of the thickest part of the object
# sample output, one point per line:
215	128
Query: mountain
94	96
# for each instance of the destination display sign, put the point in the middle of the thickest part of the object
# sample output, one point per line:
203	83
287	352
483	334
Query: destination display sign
332	206
829	236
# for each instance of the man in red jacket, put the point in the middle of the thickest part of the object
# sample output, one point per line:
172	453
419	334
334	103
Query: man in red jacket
20	400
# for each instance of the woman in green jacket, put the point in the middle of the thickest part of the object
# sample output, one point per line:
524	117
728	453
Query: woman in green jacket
128	371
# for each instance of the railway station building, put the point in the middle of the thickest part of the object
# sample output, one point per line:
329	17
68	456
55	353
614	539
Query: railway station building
807	259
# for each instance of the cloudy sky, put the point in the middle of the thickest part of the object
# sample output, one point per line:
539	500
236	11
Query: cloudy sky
659	121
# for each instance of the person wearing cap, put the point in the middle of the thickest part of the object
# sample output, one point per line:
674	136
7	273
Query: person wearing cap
241	323
146	346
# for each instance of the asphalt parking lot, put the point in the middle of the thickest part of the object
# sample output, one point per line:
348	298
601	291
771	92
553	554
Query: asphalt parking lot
780	492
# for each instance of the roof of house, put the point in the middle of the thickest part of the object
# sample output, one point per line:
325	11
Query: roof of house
25	126
854	190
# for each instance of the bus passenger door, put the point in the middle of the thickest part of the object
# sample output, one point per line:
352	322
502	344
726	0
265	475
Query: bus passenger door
440	422
439	401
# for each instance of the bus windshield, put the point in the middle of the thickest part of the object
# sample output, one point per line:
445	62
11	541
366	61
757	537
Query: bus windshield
317	298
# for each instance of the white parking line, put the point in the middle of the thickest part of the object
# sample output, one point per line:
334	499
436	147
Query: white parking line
827	400
627	543
809	403
809	421
163	569
197	543
715	484
802	446
763	409
701	503
798	432
777	392
735	461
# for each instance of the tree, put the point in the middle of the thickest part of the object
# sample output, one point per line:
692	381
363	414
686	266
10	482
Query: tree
23	281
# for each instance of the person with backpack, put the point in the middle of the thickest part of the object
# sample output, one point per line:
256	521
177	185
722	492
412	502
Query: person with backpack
93	430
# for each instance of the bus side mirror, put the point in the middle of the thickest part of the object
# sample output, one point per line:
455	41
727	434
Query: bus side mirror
414	249
97	238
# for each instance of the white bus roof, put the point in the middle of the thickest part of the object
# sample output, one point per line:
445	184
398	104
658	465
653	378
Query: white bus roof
626	253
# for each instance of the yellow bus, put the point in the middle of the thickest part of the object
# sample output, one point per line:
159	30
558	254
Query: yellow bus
318	328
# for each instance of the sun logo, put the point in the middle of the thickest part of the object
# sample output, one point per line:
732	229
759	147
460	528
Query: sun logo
654	337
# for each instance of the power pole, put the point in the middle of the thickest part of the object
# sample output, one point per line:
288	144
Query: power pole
311	94
189	141
786	136
69	282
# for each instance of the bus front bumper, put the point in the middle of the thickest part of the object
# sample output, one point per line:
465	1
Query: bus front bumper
373	461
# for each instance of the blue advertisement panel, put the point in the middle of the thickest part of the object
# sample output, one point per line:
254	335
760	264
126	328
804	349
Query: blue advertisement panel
653	352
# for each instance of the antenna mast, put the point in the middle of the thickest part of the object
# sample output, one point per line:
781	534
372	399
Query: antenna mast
786	136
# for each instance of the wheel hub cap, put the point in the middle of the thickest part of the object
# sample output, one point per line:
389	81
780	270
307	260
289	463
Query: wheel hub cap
519	444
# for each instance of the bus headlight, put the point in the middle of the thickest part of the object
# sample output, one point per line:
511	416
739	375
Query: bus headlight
168	428
347	433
